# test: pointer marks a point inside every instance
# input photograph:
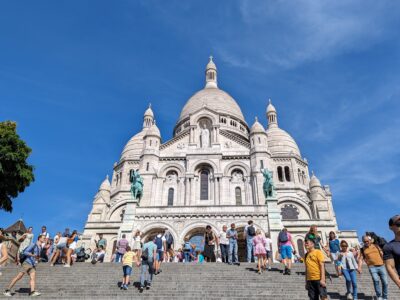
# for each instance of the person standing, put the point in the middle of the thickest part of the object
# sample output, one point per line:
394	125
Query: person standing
122	245
137	242
391	251
149	252
209	244
28	264
259	243
129	258
373	257
250	233
232	235
314	235
286	248
349	268
169	241
224	244
315	271
72	242
26	239
334	249
268	254
161	244
3	249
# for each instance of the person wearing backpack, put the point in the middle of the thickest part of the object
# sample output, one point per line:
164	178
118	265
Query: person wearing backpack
169	239
28	265
286	249
161	244
186	250
250	233
373	257
149	253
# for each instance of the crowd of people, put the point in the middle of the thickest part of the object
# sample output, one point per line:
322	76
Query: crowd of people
381	258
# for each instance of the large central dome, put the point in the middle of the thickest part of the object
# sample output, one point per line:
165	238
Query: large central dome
212	97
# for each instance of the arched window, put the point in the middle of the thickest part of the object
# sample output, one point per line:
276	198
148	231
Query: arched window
238	196
300	247
170	197
280	174
299	175
287	173
204	185
259	140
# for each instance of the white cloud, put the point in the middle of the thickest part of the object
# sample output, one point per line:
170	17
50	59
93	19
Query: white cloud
286	34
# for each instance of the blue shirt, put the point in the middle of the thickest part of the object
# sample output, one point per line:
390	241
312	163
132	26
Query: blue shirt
31	249
233	235
151	246
334	246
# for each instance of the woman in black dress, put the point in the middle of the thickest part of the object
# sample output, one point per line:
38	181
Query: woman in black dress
209	245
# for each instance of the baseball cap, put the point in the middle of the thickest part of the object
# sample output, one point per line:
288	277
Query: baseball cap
393	220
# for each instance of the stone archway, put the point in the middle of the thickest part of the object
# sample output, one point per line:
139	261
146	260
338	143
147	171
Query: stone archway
241	244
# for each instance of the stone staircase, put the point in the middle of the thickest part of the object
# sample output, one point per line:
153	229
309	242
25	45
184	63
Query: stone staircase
180	281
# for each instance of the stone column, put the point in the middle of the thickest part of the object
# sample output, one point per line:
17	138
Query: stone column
274	221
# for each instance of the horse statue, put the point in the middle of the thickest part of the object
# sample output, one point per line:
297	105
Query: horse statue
268	186
136	185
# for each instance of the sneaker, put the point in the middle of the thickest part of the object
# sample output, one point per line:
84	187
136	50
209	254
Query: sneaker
7	293
125	287
148	286
141	289
349	296
288	272
269	268
51	265
34	294
67	266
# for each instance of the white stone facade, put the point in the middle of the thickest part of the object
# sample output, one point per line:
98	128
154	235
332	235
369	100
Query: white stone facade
209	173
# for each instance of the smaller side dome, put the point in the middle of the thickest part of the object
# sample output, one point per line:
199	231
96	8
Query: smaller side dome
105	185
314	181
153	131
257	127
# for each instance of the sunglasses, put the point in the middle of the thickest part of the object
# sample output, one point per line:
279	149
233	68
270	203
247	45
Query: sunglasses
344	246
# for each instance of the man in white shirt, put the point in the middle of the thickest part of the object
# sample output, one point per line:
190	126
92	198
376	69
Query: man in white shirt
224	244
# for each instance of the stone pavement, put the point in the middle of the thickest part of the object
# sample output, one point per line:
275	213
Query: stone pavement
180	281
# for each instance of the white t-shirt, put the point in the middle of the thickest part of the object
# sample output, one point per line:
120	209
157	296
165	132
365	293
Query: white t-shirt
268	244
223	239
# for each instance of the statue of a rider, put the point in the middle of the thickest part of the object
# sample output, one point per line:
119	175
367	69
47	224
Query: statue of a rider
268	186
136	185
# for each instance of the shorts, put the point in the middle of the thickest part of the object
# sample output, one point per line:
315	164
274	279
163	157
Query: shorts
72	246
315	290
28	268
269	254
286	251
137	245
160	255
127	270
61	246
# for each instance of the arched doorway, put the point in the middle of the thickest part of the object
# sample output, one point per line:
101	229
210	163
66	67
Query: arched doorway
241	245
196	237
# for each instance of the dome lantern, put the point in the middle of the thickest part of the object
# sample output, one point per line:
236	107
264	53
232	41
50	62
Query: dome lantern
272	116
148	117
211	74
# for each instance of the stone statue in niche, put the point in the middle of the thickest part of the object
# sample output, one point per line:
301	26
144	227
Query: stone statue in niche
237	177
205	137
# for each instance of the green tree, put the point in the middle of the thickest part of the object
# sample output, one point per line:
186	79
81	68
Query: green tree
15	173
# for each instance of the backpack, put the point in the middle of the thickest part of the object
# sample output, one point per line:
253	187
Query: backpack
158	241
187	246
145	254
251	231
169	239
283	237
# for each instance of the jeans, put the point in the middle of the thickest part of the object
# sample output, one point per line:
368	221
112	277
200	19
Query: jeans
232	255
249	244
187	256
224	252
118	257
377	273
146	272
351	280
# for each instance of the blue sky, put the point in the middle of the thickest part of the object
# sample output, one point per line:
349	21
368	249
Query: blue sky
78	75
